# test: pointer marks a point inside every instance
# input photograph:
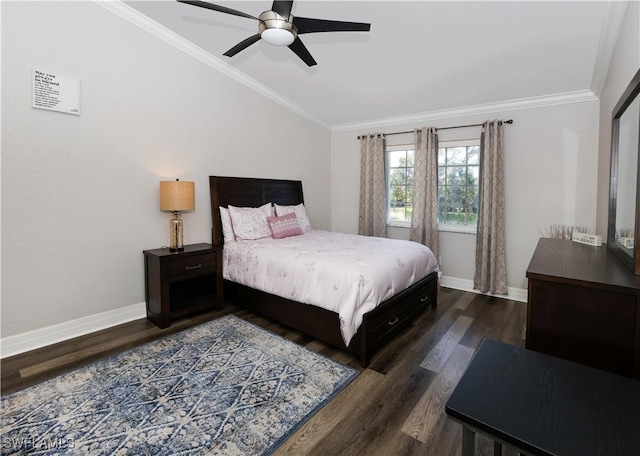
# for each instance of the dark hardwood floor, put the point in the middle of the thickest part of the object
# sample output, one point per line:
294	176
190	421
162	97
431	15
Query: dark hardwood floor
394	407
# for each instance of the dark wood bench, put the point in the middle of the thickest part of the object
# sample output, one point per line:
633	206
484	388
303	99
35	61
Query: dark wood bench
542	405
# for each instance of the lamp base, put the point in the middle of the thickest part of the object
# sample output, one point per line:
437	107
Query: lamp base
175	233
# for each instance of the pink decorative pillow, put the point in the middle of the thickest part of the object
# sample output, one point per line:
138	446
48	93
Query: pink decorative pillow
284	226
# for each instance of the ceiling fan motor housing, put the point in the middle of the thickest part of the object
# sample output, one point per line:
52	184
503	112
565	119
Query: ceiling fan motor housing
277	30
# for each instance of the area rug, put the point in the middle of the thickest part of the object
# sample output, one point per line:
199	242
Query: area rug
226	387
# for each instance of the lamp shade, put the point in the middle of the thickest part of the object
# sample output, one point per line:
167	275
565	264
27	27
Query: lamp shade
177	196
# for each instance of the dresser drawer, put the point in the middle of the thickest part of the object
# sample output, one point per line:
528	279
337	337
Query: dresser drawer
191	266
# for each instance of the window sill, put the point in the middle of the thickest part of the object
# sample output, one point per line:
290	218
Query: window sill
444	228
458	229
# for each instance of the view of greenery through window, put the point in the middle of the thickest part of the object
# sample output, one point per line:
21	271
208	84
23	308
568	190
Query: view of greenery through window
458	184
400	185
458	179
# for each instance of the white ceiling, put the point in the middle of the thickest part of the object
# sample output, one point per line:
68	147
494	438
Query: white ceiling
420	56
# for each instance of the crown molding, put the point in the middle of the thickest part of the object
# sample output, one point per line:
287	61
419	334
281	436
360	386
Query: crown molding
580	96
138	19
609	34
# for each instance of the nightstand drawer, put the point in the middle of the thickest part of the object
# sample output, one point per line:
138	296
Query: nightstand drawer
191	266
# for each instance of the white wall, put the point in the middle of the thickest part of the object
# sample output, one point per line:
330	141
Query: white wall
551	159
624	65
80	194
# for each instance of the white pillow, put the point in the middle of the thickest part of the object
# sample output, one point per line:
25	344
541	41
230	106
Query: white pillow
227	228
250	222
300	212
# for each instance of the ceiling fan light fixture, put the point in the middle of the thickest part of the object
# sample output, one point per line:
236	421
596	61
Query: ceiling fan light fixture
278	37
276	30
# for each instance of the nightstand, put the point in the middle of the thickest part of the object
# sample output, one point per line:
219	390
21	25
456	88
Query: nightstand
182	283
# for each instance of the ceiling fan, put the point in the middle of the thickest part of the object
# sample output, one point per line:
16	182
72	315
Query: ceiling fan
280	28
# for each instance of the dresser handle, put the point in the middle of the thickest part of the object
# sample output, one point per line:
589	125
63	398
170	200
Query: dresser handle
194	267
395	320
425	298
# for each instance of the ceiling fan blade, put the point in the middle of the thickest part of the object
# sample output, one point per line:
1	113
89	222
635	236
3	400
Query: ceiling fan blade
301	51
219	8
242	45
282	8
309	25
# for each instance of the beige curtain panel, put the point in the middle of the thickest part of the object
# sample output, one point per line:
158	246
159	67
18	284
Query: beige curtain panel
373	187
424	219
491	270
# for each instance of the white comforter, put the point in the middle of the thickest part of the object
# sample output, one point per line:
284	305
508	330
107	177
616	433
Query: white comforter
344	273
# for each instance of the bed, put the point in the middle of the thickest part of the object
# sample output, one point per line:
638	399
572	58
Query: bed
378	325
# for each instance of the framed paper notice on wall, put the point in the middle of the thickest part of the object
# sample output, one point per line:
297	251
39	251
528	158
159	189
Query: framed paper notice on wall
55	92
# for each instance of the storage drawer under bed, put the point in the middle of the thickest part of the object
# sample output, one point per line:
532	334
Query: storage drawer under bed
409	302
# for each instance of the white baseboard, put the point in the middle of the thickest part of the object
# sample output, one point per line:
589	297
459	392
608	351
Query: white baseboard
30	340
21	343
515	294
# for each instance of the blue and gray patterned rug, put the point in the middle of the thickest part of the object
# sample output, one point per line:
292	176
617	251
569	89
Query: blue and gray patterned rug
225	387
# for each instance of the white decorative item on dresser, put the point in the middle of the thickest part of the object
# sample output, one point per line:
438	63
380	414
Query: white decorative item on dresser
586	238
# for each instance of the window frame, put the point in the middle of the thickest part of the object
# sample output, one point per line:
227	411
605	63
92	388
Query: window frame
446	227
455	227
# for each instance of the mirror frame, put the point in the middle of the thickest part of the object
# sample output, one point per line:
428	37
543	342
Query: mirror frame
632	262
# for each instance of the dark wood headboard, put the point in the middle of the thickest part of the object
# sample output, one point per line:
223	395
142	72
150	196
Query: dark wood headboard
249	192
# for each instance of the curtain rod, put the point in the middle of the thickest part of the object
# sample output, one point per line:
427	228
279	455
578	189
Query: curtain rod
510	121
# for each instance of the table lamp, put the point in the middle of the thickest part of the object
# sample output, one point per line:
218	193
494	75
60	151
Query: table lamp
176	196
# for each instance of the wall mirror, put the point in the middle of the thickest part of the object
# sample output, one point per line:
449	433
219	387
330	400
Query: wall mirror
624	196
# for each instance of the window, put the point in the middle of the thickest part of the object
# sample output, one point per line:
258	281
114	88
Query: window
458	184
399	161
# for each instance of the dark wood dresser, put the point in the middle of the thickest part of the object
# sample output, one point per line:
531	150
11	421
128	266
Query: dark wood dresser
584	306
